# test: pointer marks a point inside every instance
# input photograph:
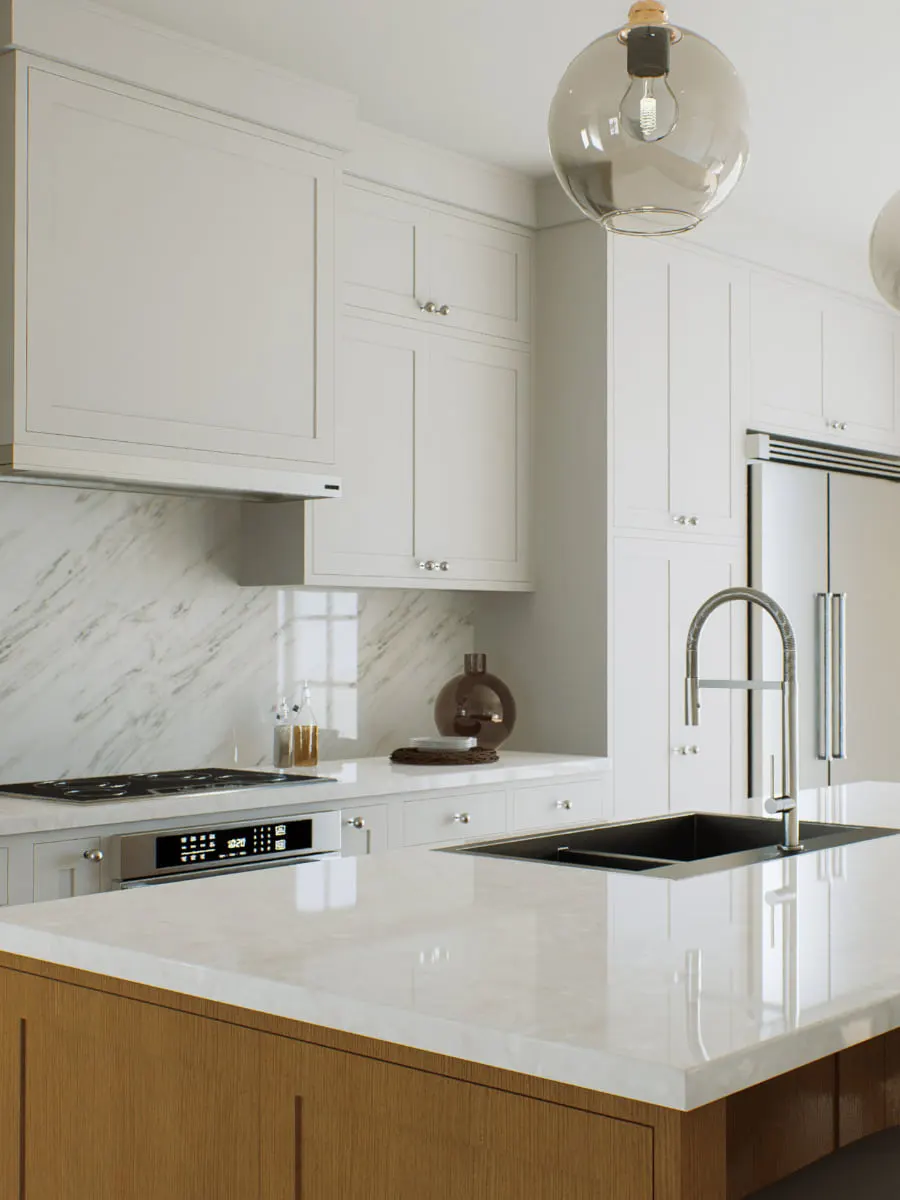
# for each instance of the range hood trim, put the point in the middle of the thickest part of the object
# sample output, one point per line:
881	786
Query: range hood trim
50	465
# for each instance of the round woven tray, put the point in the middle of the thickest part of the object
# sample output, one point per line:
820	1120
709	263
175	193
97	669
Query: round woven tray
443	758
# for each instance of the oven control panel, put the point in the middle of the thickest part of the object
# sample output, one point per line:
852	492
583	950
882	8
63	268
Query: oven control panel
215	845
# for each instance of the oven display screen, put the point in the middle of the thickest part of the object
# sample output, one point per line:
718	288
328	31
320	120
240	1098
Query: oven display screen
245	841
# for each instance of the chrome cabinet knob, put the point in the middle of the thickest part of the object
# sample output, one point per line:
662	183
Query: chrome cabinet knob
566	804
444	310
839	425
444	566
94	856
462	818
693	522
429	307
428	565
693	749
680	520
682	750
357	822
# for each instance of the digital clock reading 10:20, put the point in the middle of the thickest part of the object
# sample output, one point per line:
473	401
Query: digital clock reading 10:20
197	846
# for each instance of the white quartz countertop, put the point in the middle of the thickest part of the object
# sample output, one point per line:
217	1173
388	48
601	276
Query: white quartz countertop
672	992
355	780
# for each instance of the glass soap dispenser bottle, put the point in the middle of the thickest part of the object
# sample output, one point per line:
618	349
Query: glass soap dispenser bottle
306	732
283	748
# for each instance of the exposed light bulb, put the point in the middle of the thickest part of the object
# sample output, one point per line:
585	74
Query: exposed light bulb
649	110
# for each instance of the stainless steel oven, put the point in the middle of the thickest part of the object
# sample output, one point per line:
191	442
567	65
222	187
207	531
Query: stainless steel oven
208	850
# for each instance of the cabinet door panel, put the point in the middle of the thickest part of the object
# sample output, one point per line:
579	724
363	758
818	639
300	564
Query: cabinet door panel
702	466
473	459
858	364
711	777
173	1105
179	279
482	274
382	252
640	382
785	353
369	531
62	871
641	678
370	837
336	1124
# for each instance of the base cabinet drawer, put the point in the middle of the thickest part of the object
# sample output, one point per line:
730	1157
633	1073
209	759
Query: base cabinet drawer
364	830
561	805
478	815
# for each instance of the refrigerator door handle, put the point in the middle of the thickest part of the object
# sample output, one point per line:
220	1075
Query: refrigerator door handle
839	667
826	705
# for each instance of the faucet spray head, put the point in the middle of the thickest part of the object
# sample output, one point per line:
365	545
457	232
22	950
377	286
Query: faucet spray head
691	690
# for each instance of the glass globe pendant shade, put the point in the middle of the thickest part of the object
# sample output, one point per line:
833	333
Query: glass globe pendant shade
649	127
884	251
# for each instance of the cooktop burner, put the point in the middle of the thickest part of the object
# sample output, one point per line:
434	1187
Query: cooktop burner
153	783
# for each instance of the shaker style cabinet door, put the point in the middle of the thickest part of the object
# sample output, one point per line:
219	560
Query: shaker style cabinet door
179	278
370	533
785	353
473	463
859	372
675	392
662	765
446	272
66	869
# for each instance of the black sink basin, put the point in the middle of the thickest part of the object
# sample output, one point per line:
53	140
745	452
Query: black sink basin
674	847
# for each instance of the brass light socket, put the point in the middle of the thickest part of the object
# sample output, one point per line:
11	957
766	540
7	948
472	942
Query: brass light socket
648	12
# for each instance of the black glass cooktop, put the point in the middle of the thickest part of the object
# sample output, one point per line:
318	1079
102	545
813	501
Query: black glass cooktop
155	783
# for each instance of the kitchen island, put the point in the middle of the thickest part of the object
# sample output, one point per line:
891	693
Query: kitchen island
428	1024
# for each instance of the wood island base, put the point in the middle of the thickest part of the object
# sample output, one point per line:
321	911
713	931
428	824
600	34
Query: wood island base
116	1091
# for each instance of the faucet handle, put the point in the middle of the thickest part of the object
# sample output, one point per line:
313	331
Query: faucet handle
779	804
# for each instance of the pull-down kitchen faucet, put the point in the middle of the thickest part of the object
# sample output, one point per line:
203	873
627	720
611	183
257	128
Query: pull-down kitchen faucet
786	804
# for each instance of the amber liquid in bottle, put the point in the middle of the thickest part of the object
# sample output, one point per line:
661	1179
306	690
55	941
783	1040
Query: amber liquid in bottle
306	745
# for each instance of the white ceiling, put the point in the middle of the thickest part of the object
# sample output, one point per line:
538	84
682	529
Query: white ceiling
477	76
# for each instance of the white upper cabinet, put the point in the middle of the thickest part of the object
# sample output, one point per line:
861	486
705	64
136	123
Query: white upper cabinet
406	259
676	394
473	459
434	447
859	371
822	365
178	279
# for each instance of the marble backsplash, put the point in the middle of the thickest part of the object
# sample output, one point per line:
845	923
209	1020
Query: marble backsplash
125	643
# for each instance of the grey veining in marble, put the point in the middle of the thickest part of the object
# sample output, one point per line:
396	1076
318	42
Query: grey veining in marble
126	644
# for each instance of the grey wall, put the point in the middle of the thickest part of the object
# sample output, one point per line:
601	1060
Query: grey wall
126	644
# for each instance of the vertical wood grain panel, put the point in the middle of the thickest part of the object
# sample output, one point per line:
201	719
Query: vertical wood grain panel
780	1126
892	1078
861	1091
128	1101
374	1131
11	1038
689	1154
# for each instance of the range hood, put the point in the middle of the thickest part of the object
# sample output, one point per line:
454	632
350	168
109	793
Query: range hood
132	473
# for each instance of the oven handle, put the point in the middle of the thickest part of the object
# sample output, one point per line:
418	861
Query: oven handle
124	885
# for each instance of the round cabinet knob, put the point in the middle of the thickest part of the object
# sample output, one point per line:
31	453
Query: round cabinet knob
444	566
693	522
841	426
94	856
462	818
566	804
357	822
680	520
693	749
429	307
428	565
444	310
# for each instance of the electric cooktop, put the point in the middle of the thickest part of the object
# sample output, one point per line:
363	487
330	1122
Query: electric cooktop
105	788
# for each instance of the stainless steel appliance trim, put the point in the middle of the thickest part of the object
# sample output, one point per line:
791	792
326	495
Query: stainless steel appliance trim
839	667
827	457
826	707
138	850
235	868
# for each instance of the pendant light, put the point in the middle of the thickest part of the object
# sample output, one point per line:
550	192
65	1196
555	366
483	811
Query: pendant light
648	128
884	251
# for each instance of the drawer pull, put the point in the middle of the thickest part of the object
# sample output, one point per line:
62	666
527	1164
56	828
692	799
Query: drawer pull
462	818
357	822
567	804
94	856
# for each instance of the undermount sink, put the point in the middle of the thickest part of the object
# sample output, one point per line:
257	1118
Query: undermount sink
673	847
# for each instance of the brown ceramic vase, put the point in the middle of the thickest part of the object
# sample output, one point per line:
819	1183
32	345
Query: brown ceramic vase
476	704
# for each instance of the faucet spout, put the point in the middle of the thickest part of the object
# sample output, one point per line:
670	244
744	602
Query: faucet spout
786	804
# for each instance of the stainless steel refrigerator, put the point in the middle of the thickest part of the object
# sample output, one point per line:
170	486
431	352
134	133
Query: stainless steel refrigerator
826	545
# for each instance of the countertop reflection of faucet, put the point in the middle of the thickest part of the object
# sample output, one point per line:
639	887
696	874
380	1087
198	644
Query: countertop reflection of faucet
786	804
